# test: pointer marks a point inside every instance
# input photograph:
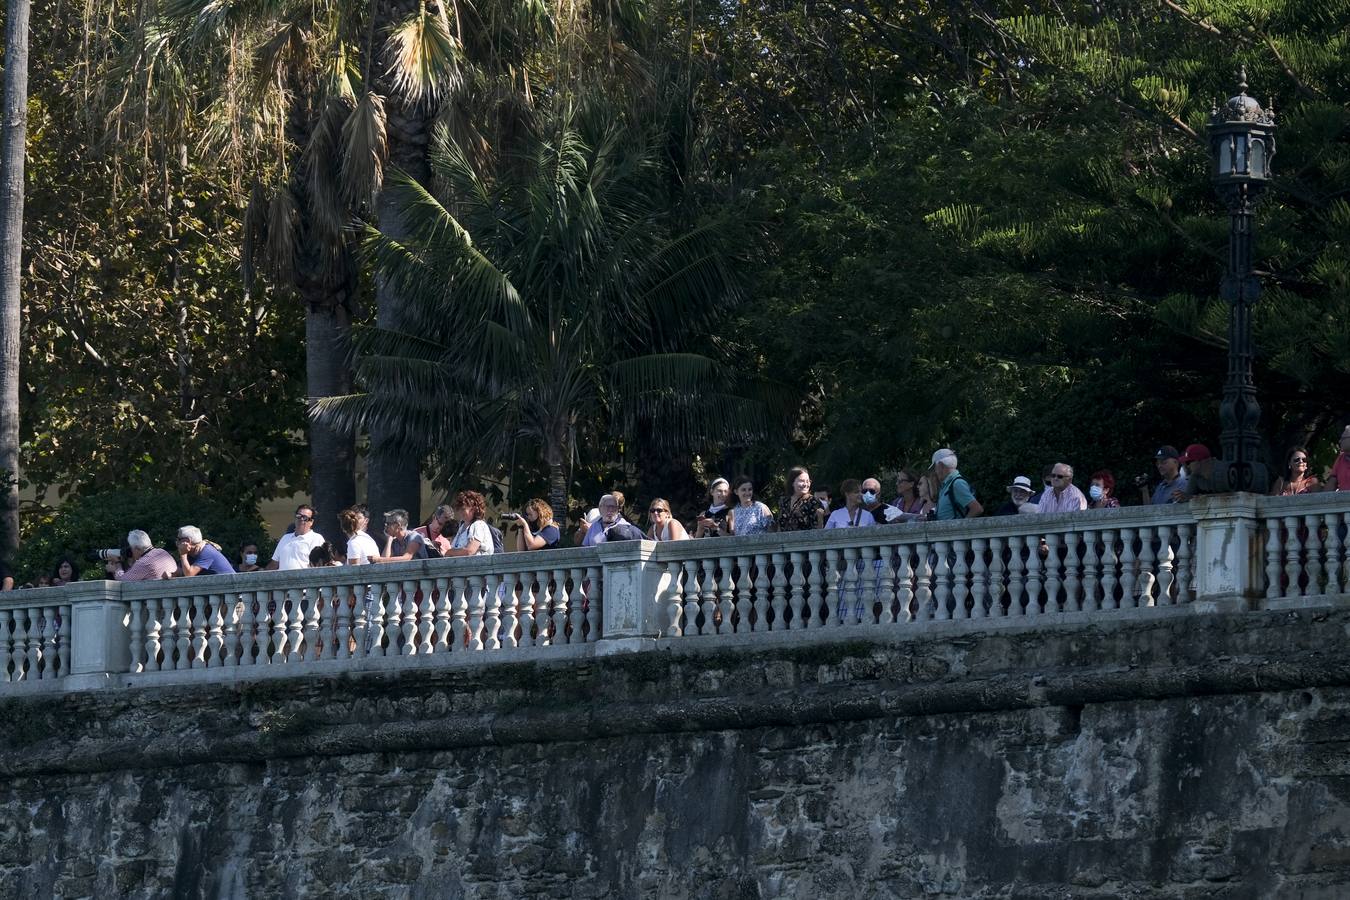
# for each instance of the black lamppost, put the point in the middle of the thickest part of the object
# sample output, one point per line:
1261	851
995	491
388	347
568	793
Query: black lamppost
1242	142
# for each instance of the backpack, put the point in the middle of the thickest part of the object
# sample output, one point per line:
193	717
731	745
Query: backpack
498	544
951	498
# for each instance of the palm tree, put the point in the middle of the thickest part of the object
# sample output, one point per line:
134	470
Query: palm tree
13	134
557	292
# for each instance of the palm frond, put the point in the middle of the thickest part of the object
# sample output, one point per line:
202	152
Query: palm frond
365	145
425	59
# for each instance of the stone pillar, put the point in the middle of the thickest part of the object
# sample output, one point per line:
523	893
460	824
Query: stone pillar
99	635
1228	553
631	604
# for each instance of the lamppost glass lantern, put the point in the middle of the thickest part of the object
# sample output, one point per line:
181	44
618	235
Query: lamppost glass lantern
1242	142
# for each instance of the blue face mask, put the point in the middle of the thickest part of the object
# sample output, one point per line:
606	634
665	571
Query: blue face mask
1096	492
869	497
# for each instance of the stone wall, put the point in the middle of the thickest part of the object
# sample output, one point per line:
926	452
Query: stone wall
1181	756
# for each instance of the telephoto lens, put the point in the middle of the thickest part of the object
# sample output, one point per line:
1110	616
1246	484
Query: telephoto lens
112	555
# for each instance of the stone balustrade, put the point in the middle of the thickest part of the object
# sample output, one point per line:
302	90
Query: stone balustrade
1231	552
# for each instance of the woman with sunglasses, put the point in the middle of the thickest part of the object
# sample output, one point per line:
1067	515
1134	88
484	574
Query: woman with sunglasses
1297	478
664	526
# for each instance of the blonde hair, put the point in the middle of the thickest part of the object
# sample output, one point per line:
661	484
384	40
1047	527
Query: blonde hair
542	511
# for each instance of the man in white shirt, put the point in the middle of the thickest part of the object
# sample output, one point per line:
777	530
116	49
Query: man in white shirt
1062	495
293	549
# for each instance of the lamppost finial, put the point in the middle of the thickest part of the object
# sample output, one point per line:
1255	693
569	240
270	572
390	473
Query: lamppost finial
1242	78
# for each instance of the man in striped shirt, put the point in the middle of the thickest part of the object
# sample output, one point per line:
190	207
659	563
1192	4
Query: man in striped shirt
1062	495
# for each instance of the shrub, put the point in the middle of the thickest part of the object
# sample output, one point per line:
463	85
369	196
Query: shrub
103	520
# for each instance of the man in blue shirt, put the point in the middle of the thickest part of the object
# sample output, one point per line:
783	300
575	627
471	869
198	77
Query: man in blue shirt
956	498
1173	486
198	557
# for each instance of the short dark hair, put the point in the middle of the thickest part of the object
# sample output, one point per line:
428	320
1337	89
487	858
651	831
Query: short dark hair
849	485
304	506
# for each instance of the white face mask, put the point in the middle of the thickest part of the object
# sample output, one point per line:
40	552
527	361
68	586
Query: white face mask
250	559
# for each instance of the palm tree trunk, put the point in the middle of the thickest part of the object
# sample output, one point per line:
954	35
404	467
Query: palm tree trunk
332	453
13	134
555	454
395	475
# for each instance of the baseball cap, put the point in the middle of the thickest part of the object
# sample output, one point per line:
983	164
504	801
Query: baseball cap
1166	451
939	455
1022	482
1195	452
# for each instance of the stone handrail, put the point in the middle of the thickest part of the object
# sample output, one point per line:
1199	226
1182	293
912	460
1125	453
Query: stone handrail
1234	551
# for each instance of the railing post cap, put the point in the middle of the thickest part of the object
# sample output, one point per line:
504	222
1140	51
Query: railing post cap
1242	503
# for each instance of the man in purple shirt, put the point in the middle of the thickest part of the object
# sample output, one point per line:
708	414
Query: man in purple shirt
1062	495
148	562
198	557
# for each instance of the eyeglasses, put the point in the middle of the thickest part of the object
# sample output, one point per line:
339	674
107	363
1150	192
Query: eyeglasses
657	509
1300	459
1059	476
304	518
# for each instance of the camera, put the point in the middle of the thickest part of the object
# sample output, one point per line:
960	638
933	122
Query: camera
112	555
512	516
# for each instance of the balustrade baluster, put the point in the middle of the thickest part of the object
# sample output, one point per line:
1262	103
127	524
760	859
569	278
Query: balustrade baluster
34	649
1129	569
960	579
459	613
799	605
280	612
296	649
137	646
528	581
1108	567
842	575
317	620
761	589
510	614
1275	556
868	578
492	618
924	604
1054	572
178	655
1017	577
578	614
248	626
673	600
1335	548
197	642
744	623
345	597
1035	566
379	619
19	652
215	639
63	640
942	581
904	585
726	598
886	585
11	668
709	595
560	600
478	608
1313	547
1166	567
814	602
1185	562
1073	568
1293	546
595	600
824	564
691	593
48	650
988	579
1148	575
779	598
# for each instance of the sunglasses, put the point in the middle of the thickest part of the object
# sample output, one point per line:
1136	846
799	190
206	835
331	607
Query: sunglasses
304	518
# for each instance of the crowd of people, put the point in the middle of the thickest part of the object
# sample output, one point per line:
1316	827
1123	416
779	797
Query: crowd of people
461	527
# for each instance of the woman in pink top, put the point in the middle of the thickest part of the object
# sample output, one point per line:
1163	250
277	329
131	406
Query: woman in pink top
1340	469
433	529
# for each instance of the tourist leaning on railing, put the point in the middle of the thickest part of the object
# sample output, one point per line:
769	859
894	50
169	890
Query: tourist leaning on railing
748	516
800	510
292	551
400	544
148	562
1339	479
1297	477
473	538
248	557
197	556
534	527
908	498
361	547
664	527
1062	495
1102	490
956	498
851	514
712	522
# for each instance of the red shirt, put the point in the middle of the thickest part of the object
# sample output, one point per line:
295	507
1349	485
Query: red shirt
1341	472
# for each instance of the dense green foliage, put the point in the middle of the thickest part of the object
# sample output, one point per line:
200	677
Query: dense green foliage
986	225
102	521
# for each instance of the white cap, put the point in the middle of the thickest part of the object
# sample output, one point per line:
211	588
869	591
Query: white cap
939	455
593	514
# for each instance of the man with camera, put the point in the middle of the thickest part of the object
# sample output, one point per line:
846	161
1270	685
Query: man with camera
148	562
199	557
